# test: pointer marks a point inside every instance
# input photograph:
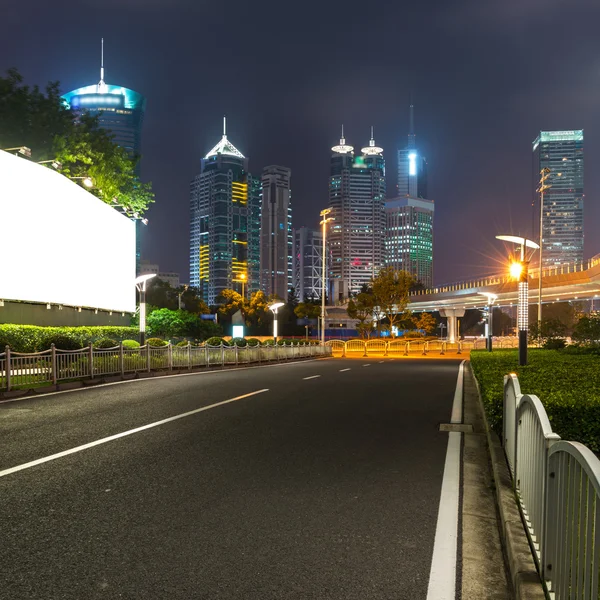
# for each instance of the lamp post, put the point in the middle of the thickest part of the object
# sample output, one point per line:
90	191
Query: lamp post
544	174
87	181
519	269
324	220
490	336
273	307
185	289
140	284
243	280
24	150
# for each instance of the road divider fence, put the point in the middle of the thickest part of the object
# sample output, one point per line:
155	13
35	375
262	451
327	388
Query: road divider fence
557	484
398	347
18	370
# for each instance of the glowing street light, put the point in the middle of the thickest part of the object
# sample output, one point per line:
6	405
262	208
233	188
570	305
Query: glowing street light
273	308
519	269
324	220
140	284
242	277
490	334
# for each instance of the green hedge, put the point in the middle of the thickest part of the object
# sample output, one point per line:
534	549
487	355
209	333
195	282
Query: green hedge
567	384
30	338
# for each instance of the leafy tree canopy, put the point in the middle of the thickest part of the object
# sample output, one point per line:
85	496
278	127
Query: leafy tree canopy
40	120
391	289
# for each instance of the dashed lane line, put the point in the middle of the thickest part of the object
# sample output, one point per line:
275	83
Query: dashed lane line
111	438
342	370
311	377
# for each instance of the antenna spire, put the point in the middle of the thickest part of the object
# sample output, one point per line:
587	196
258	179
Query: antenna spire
101	84
411	123
224	126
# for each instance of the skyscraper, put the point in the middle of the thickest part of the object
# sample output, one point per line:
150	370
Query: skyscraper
409	237
412	166
562	221
356	195
121	112
308	263
276	231
224	236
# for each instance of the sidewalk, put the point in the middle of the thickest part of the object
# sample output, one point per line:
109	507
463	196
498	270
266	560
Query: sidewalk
484	572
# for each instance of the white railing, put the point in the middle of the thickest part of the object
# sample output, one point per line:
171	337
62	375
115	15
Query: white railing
18	370
558	487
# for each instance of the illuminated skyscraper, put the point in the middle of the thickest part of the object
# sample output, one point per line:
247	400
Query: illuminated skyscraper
224	214
121	112
409	237
562	221
412	166
356	236
276	232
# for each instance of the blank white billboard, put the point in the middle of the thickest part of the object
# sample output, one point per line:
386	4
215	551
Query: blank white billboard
59	244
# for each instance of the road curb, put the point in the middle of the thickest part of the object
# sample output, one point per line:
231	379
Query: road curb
525	579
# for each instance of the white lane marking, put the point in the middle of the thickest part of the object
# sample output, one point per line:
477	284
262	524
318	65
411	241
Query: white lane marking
110	438
311	377
210	372
367	365
458	396
381	361
342	370
442	576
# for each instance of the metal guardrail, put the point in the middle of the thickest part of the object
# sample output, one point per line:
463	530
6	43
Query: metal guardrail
400	347
558	487
51	366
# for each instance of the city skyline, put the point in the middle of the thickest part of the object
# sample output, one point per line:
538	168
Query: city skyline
479	104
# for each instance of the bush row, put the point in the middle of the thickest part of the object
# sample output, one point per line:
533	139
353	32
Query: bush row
31	338
567	383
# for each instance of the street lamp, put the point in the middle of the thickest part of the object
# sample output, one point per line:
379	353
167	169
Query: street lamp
24	150
519	269
544	174
273	307
140	284
87	181
185	289
324	220
490	332
55	163
242	277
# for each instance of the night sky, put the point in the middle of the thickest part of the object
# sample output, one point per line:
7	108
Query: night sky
485	75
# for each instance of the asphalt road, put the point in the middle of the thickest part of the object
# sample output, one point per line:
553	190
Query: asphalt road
322	488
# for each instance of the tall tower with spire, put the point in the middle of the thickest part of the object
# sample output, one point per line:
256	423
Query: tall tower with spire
357	196
225	223
120	111
412	166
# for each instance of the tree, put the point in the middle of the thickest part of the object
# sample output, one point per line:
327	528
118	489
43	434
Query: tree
307	310
587	329
361	308
425	322
257	312
390	290
164	322
41	121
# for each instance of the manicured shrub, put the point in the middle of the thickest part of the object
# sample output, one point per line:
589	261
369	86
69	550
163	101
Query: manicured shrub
182	344
31	338
130	344
105	343
253	342
241	342
568	386
554	344
156	342
216	341
268	342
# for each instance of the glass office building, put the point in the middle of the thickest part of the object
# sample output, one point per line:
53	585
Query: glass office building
224	224
409	237
562	220
356	236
